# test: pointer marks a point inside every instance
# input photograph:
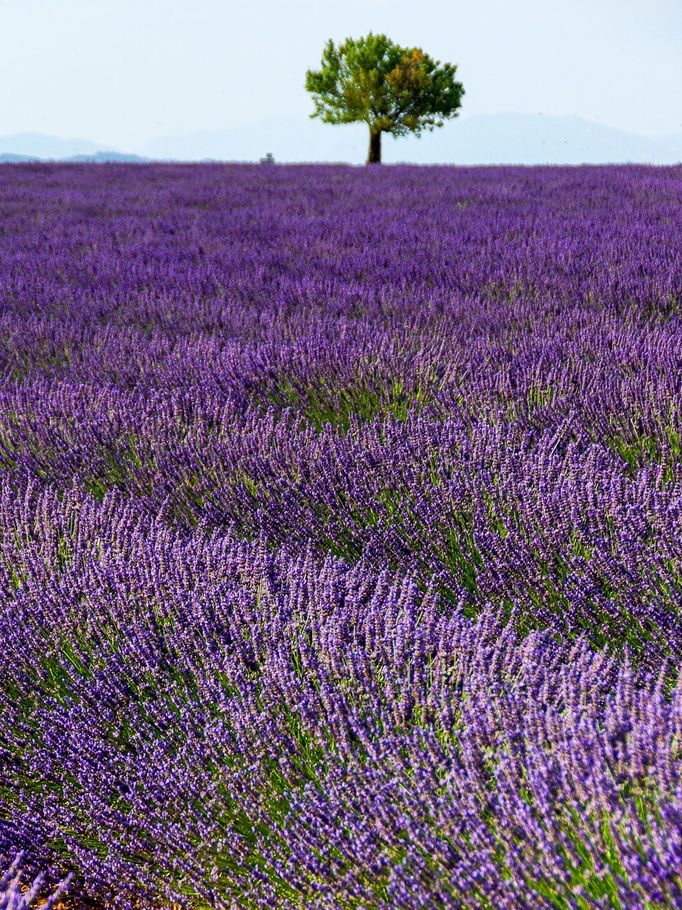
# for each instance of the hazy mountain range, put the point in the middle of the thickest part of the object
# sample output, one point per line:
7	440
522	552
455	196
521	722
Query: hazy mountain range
476	139
37	147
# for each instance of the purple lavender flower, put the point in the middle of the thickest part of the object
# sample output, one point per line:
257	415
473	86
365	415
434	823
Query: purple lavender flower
340	536
15	896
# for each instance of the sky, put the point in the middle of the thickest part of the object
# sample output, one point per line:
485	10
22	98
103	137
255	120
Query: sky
126	73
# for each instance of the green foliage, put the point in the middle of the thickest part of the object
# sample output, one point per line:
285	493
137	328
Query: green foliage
392	89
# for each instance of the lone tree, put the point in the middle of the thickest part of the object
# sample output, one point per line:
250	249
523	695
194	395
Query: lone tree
392	89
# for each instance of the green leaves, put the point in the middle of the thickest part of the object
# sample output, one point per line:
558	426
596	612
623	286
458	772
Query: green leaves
393	89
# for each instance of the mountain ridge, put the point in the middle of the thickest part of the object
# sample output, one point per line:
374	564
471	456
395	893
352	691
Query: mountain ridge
477	139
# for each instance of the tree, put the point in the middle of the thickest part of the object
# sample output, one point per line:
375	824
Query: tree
392	89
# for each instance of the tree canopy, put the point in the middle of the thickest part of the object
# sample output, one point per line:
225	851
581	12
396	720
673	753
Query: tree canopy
392	89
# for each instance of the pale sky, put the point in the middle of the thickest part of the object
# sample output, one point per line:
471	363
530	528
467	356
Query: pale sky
125	73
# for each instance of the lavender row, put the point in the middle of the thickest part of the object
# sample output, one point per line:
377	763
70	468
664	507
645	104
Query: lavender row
14	895
195	720
567	514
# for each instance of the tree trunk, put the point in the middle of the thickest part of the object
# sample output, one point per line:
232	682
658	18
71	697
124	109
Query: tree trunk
374	156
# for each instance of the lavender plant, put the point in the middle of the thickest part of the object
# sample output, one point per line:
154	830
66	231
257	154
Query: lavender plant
14	896
340	536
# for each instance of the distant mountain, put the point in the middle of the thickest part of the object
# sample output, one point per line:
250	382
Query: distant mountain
541	139
107	158
37	145
476	139
10	158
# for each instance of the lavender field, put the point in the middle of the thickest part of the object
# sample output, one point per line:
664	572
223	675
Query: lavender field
341	536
